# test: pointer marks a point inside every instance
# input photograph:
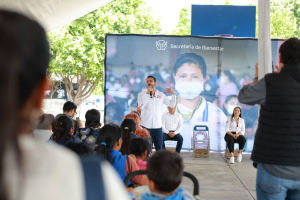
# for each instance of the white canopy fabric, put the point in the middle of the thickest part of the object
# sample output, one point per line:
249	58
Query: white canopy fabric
53	13
264	39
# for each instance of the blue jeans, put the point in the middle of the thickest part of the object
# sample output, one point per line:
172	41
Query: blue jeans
272	187
157	137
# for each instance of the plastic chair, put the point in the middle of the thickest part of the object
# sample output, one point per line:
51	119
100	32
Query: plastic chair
236	145
196	190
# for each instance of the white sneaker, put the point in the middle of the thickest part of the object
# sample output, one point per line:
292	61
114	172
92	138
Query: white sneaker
239	157
231	161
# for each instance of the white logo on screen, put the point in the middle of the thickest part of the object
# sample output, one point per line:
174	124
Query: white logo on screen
161	45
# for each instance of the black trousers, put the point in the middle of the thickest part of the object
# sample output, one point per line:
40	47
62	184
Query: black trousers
230	142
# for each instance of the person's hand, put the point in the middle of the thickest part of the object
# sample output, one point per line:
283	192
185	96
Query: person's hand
277	69
237	135
131	190
169	90
256	69
132	156
80	124
171	134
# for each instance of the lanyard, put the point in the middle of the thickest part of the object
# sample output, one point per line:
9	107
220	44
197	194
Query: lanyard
205	113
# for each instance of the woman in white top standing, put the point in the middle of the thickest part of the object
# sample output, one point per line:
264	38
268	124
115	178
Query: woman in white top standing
235	130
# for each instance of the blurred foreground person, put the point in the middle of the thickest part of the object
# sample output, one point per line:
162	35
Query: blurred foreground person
30	169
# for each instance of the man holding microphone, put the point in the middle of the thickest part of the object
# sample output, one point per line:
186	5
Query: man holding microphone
150	102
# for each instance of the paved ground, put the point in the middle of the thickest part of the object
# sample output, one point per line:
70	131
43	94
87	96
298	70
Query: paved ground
219	180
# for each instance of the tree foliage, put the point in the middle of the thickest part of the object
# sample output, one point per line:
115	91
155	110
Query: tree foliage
184	24
78	49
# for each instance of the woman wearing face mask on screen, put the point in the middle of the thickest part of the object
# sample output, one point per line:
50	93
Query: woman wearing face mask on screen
190	74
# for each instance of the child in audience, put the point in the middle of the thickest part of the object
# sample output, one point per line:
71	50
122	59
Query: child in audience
128	128
165	171
63	132
140	147
109	145
79	148
90	133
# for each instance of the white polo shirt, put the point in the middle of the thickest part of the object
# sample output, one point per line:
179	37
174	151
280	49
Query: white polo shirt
172	122
151	116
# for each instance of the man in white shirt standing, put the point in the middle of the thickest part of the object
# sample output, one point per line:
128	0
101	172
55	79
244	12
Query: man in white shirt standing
150	102
172	123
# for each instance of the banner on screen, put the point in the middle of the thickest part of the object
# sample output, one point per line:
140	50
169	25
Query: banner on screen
206	92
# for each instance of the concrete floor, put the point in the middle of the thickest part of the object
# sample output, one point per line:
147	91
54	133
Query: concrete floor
219	180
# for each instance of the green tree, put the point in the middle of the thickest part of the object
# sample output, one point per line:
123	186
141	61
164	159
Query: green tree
77	50
283	19
183	26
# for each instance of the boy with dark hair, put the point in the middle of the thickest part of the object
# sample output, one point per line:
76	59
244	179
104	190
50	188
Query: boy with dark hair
165	171
69	109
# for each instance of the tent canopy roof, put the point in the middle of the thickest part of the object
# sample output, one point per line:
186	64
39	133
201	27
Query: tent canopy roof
53	13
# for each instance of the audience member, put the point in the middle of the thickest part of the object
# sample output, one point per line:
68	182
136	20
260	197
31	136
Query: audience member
128	128
165	171
90	133
277	144
79	148
64	129
136	112
140	131
109	145
30	169
140	148
43	130
172	123
69	109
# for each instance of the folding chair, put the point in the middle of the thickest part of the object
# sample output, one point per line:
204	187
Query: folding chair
201	134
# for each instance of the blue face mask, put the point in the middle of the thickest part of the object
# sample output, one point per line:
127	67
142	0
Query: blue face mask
189	90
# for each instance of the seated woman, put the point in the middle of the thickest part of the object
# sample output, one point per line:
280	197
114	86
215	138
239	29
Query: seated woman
109	145
128	126
90	133
235	130
140	148
64	129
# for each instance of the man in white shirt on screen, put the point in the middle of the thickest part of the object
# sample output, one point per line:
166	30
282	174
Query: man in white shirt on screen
172	123
150	102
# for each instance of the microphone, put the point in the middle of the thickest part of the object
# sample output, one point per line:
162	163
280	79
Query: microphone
151	94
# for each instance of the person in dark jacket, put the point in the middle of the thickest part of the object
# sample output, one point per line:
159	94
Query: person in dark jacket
277	141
